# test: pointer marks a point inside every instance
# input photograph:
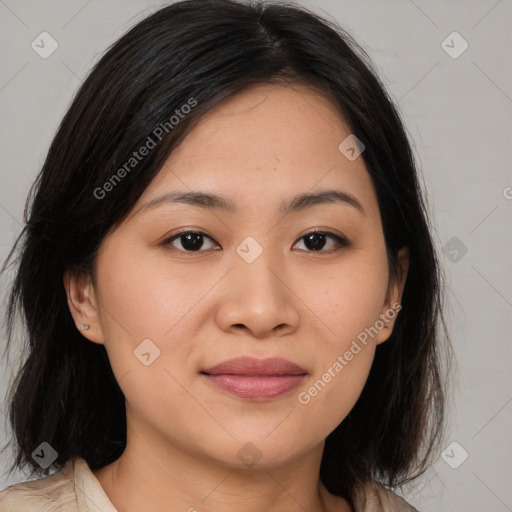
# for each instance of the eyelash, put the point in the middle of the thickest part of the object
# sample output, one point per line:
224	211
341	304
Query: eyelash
341	241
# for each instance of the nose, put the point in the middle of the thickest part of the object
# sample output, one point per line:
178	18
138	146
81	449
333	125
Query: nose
258	297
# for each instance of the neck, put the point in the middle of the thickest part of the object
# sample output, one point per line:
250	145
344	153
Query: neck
153	474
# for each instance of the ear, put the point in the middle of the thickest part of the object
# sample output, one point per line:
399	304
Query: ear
392	304
83	305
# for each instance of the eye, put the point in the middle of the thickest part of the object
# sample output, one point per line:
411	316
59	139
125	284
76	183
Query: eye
316	241
191	241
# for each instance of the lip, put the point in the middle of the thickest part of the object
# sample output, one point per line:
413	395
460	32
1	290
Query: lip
250	366
256	379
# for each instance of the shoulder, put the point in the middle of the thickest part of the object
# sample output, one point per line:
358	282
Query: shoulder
374	497
53	493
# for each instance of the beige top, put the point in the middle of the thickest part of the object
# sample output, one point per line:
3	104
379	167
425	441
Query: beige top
74	488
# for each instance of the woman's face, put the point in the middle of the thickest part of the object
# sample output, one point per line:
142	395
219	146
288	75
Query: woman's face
168	307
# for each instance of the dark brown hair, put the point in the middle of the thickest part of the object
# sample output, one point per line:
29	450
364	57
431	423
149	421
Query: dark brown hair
65	392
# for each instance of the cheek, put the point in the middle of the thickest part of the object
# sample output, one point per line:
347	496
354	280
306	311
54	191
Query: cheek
146	297
147	308
139	302
348	299
338	382
342	362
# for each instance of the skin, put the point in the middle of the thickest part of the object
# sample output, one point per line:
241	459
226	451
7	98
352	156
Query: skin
257	148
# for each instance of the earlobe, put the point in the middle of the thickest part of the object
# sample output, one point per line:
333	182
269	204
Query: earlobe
393	304
83	305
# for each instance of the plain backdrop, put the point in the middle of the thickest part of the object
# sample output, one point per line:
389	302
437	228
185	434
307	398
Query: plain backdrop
457	106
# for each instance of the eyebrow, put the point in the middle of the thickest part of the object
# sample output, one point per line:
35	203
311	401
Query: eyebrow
216	202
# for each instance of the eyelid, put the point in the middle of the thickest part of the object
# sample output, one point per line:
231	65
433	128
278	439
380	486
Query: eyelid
168	239
341	240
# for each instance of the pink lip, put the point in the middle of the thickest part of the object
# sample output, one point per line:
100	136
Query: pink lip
256	379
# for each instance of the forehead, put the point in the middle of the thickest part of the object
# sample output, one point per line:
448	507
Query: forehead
264	122
265	144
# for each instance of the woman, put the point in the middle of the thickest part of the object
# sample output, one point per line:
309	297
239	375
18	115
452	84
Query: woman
228	280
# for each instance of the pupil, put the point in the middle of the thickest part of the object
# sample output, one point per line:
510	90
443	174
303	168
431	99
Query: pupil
315	246
193	241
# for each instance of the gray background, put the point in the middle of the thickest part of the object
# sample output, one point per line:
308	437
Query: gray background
457	112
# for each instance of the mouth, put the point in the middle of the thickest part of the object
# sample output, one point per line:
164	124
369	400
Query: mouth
255	379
